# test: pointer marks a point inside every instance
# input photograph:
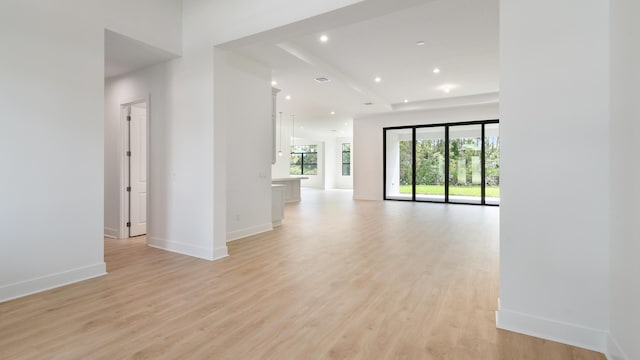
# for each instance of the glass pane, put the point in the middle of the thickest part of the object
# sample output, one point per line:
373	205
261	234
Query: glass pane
296	159
399	173
346	157
465	173
430	163
346	147
310	170
304	148
310	158
346	170
295	170
492	163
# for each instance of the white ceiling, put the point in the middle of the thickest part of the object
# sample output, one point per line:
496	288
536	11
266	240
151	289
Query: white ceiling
460	36
123	54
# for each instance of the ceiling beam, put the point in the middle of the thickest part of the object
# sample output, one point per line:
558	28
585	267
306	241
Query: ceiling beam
335	73
359	11
449	102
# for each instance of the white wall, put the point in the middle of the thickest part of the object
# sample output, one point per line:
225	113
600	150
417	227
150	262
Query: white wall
330	163
367	148
281	168
51	141
554	223
245	86
625	177
162	25
392	165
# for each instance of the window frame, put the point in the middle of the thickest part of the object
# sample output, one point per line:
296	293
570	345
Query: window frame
301	154
342	159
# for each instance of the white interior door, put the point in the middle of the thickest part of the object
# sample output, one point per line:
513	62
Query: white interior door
138	169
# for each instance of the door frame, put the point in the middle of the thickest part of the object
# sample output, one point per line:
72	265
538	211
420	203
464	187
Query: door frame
123	232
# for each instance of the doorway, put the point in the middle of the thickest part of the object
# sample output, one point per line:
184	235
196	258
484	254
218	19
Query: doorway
135	169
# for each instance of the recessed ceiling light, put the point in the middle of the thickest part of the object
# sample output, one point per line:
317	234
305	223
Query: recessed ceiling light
324	38
377	79
368	103
447	87
406	101
288	97
420	43
274	83
436	70
333	113
322	80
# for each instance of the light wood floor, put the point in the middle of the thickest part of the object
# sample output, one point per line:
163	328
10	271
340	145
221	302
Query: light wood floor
339	280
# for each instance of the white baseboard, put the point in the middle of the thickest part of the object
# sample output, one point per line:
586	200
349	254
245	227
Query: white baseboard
48	282
110	233
614	351
187	249
566	333
220	252
254	230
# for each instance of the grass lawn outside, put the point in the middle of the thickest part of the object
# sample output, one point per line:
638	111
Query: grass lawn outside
490	191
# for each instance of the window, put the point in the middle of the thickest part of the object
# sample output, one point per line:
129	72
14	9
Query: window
304	160
450	163
346	159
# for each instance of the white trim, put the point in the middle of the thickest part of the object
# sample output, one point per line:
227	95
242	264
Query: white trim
614	351
220	252
110	233
566	333
124	209
254	230
122	215
47	282
188	249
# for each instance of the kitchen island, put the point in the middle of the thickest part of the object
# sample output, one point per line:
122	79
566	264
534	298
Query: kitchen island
291	187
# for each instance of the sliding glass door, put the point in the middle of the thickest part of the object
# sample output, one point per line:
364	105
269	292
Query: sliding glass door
492	164
399	164
430	166
451	163
465	168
